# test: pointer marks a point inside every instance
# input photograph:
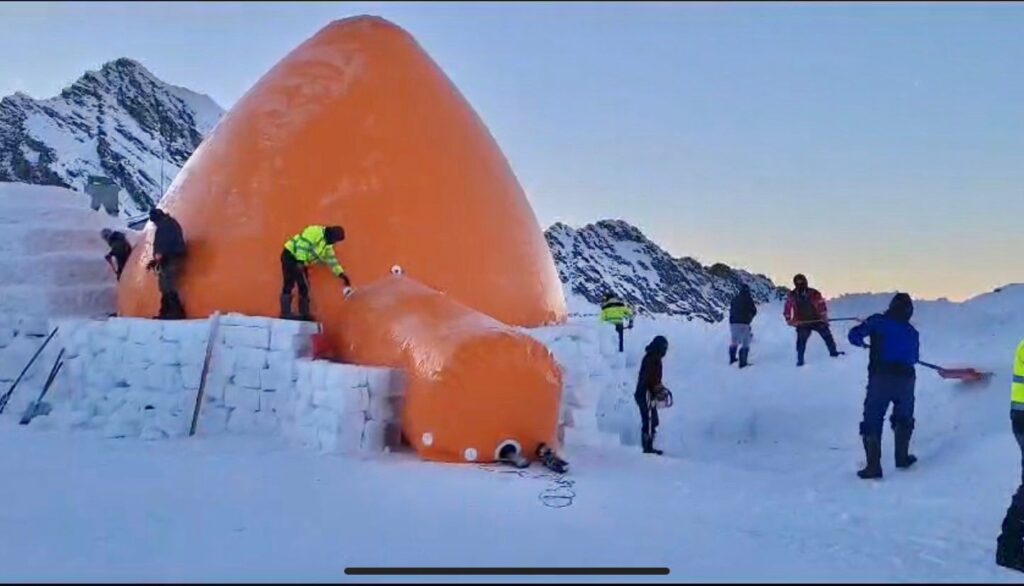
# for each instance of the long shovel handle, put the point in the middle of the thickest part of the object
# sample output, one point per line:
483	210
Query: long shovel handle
931	366
10	391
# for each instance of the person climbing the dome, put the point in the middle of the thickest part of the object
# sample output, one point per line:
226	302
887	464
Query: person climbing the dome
120	250
650	390
616	312
167	261
313	245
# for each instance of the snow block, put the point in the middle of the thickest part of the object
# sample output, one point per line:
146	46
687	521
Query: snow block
144	331
242	398
345	436
250	358
245	337
243	421
246	321
344	376
213	420
166	353
373	439
343	400
246	377
166	379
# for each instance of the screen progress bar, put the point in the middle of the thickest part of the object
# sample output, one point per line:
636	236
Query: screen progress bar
506	571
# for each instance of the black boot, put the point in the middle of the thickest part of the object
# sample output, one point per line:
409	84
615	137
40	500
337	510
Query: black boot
1010	543
304	314
286	307
904	459
873	455
647	442
732	355
1009	559
744	353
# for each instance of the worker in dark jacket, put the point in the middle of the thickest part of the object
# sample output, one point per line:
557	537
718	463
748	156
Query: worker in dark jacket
649	389
616	312
120	250
891	376
807	311
168	259
1010	543
741	313
313	245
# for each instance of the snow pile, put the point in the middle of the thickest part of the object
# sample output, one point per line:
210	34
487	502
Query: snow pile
139	378
51	253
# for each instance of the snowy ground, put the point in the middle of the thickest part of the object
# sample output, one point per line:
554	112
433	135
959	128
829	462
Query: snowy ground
757	484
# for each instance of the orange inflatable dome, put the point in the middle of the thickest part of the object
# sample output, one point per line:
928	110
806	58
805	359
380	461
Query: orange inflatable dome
358	127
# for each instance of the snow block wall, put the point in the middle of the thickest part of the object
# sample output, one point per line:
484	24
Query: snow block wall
343	408
51	255
593	376
128	377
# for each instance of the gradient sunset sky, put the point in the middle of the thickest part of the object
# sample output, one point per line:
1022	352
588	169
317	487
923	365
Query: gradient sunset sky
873	146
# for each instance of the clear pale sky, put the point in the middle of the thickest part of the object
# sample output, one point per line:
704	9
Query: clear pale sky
872	146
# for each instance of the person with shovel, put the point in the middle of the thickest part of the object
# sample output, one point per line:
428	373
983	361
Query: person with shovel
807	311
895	346
1010	543
313	245
120	250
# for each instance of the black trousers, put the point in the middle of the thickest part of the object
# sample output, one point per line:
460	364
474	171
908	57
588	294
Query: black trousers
648	418
293	274
168	271
620	329
1011	538
803	333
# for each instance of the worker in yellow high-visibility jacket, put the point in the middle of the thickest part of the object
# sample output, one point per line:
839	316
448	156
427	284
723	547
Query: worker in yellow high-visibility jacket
1010	544
312	245
616	312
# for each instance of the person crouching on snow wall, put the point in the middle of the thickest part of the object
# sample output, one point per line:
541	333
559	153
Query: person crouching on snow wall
894	347
649	390
741	313
314	244
807	311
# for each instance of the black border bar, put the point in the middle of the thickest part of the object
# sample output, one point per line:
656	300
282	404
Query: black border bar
506	571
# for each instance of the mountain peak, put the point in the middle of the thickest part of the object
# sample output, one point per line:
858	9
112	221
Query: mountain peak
614	254
121	122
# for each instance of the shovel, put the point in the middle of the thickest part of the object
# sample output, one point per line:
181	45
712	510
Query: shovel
967	375
38	407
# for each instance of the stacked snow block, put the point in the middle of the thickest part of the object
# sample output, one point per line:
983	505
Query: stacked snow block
253	373
140	378
587	377
344	408
130	377
20	337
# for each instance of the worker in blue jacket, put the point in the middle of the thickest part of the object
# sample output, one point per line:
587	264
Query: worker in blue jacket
895	349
